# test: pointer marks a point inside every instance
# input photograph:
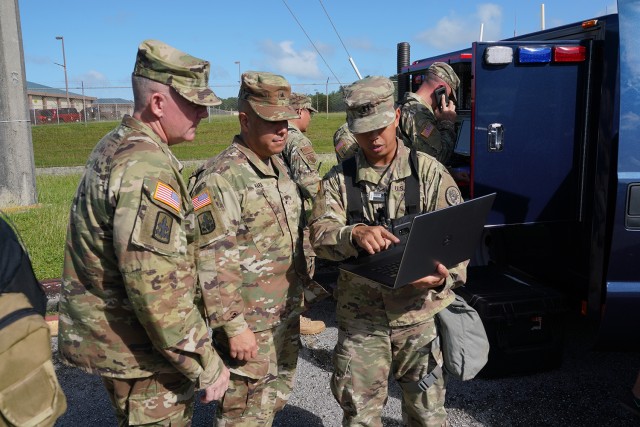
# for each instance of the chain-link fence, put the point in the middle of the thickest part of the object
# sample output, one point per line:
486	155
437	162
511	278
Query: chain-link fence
103	104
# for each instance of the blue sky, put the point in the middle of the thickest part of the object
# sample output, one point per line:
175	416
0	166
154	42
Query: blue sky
101	37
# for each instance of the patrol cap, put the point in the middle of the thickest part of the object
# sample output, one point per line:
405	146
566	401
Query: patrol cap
268	94
446	73
188	75
369	104
299	101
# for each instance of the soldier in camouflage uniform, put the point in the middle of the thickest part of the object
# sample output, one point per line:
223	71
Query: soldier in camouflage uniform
383	330
427	122
344	143
302	162
129	308
251	229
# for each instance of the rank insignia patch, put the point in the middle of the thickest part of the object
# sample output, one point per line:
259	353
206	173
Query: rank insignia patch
206	222
166	195
162	228
201	200
453	196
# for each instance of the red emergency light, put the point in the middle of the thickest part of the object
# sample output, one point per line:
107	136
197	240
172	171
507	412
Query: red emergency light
569	53
466	56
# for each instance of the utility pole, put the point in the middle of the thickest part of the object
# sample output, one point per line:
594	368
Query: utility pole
17	169
64	65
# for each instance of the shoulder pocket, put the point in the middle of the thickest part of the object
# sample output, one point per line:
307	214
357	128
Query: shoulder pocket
30	394
209	223
160	221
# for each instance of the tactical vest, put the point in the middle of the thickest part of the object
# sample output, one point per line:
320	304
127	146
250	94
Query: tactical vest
355	207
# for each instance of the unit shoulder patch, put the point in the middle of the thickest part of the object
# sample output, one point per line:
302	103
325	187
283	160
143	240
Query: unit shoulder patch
453	196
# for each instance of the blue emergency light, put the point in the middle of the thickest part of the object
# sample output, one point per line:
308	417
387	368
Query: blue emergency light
534	54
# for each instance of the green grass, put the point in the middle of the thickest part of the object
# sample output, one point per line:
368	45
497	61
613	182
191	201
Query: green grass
43	227
69	144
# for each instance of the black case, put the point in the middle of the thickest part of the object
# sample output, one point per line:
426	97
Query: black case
524	321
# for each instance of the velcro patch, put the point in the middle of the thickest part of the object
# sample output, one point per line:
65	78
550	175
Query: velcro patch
166	195
206	222
162	227
426	132
201	200
453	196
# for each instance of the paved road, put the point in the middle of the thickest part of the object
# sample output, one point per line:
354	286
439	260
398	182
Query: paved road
583	392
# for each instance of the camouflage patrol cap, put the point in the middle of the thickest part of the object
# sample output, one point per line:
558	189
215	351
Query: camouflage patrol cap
446	73
369	104
268	94
299	101
188	75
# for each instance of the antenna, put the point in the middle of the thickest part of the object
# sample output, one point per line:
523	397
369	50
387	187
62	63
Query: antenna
481	31
542	15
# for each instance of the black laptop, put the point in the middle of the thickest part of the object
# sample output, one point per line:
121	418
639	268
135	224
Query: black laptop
447	236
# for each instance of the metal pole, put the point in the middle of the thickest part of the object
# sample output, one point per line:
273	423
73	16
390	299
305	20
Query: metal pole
326	93
64	65
239	74
17	169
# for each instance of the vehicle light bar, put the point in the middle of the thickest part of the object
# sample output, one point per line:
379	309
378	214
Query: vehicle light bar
569	53
497	55
466	55
590	23
534	54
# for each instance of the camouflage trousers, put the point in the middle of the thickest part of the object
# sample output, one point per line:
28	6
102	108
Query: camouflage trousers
363	360
159	400
260	388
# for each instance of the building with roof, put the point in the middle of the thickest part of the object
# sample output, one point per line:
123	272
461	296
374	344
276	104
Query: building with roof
46	102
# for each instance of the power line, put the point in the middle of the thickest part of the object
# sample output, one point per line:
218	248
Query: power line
351	61
310	41
334	28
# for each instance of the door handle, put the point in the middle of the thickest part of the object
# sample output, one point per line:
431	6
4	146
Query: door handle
495	137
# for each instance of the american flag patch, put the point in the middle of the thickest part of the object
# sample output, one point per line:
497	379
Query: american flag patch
339	145
201	200
166	195
427	130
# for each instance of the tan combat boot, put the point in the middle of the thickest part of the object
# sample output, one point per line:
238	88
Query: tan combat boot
310	327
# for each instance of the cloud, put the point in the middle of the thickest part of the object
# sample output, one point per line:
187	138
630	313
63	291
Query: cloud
283	58
93	78
39	60
457	32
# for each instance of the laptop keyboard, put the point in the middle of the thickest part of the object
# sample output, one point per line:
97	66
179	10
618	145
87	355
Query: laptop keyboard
389	269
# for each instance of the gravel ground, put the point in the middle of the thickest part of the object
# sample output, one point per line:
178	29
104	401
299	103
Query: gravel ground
583	392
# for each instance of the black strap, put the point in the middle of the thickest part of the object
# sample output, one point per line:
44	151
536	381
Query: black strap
412	187
354	192
425	382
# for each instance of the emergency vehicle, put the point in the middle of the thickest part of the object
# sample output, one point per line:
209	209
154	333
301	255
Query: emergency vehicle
550	121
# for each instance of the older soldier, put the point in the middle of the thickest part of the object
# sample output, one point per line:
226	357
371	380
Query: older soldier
383	330
428	122
252	231
344	143
302	161
128	306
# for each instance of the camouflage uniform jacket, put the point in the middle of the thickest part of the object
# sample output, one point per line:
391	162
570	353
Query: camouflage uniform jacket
302	161
418	123
127	305
344	142
361	301
252	258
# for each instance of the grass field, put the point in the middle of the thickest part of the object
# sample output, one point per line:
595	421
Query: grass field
43	227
